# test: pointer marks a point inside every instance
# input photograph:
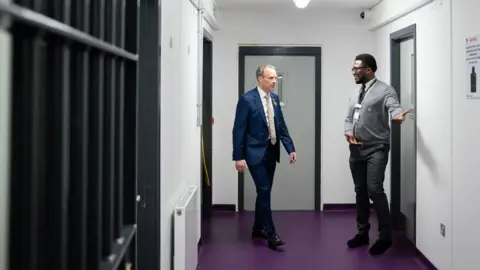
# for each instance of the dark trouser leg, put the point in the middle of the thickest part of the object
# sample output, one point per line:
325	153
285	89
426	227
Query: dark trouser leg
257	222
358	168
263	213
377	160
270	165
262	175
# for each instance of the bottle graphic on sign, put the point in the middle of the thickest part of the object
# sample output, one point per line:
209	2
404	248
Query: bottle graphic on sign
473	81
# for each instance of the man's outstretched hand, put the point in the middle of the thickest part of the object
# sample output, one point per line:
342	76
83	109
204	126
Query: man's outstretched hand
351	139
401	117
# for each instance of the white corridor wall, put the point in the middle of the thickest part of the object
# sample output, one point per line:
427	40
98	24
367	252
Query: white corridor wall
180	135
341	34
434	121
447	175
466	126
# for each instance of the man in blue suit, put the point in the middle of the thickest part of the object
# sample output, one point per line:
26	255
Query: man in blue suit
258	127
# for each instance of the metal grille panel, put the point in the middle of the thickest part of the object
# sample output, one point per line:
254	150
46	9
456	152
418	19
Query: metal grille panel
74	134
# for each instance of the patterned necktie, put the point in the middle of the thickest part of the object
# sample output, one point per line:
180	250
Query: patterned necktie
271	121
362	94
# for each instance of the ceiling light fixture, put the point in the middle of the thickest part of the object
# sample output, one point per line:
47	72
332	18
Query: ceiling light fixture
301	3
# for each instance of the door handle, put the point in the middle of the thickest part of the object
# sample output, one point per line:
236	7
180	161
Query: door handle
413	91
281	76
280	86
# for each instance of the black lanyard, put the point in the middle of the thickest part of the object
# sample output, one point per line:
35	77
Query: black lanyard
360	96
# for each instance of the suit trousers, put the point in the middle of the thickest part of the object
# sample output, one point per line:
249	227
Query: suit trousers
262	175
367	165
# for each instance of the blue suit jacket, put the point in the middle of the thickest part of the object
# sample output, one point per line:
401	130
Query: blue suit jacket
250	130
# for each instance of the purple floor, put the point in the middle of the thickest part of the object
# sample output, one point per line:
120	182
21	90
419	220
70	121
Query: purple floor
314	241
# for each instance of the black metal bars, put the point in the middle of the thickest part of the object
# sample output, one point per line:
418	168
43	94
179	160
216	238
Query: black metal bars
45	23
74	134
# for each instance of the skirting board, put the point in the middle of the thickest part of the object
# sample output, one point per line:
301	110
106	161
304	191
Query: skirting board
199	247
224	208
326	207
338	206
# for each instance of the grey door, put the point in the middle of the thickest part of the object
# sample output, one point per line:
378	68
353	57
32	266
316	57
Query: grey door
294	184
408	152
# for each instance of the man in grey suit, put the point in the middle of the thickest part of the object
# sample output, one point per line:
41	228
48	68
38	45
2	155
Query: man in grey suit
367	129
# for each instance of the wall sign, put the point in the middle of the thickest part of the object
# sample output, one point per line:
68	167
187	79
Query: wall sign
472	60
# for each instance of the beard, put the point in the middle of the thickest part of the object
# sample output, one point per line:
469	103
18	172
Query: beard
361	80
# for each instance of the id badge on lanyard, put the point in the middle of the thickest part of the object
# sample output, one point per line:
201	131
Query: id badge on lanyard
356	114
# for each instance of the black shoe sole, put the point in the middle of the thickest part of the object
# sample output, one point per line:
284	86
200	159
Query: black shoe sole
360	243
261	235
275	246
377	251
357	246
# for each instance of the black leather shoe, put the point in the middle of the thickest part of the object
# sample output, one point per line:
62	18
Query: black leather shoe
358	241
274	241
380	247
260	234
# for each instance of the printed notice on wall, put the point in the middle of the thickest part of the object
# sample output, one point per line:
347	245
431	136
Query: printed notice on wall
472	49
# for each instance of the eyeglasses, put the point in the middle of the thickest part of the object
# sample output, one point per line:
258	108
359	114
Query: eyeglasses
355	69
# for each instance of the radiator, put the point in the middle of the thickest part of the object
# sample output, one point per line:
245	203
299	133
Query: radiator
186	218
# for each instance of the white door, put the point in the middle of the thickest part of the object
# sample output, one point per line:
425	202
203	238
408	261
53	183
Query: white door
408	179
294	184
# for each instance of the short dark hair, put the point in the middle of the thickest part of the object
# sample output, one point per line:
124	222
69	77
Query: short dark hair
261	69
367	60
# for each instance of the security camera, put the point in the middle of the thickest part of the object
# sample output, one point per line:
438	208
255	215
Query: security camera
364	15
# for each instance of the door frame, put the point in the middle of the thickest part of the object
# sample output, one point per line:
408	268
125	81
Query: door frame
6	70
149	137
396	38
316	52
207	122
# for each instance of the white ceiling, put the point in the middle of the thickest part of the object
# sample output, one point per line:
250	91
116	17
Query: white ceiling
275	4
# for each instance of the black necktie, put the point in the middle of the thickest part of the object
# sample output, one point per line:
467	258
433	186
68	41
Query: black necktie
362	94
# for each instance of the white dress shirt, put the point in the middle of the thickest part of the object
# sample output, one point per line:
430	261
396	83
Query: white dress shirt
370	84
